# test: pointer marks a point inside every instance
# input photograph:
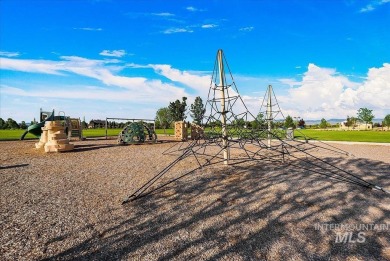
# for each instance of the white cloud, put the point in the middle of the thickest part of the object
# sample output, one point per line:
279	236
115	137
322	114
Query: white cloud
88	29
375	91
324	93
164	91
33	66
113	87
199	83
191	8
9	54
290	82
177	30
209	26
194	9
373	5
164	14
102	70
247	29
113	53
136	66
367	8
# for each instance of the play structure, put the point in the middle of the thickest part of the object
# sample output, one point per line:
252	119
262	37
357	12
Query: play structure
72	126
53	138
227	139
137	132
149	127
181	130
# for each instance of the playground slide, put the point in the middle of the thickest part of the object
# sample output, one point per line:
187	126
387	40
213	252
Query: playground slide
36	129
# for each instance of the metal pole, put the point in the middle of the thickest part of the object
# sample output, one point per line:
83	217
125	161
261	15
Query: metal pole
106	128
223	119
269	114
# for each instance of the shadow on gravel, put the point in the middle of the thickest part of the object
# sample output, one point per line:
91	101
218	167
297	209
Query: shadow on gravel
80	148
14	166
247	212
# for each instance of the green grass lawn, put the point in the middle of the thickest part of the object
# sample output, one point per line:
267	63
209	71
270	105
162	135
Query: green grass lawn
114	132
335	135
14	135
88	133
167	131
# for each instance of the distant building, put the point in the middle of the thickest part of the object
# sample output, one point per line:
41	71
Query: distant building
356	126
94	124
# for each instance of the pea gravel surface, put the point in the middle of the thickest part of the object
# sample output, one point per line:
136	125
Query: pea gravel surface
67	206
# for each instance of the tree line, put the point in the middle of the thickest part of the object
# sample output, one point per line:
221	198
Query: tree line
176	111
11	124
363	115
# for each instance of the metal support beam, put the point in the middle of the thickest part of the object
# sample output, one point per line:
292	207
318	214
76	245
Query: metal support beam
223	111
269	115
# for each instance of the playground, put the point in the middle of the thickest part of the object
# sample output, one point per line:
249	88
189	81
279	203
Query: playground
67	206
226	191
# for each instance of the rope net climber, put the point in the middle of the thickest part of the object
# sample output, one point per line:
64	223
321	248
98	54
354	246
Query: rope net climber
232	135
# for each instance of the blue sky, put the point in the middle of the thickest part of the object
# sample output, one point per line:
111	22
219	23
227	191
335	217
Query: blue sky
128	58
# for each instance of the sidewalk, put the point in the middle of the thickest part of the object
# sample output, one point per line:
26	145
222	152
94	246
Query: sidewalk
352	142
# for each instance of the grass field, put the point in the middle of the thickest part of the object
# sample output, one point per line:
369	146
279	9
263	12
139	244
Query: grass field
114	132
88	133
334	135
14	135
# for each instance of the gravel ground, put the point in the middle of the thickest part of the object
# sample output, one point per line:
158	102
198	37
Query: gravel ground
67	206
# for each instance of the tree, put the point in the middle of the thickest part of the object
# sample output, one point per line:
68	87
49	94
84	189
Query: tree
214	123
259	122
84	124
11	124
197	110
365	115
239	122
386	121
348	123
23	125
277	124
289	123
354	120
323	123
3	124
301	123
163	118
351	122
33	122
177	109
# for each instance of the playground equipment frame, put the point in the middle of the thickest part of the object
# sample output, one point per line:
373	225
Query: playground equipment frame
133	120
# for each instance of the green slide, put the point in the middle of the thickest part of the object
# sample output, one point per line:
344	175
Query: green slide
36	129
